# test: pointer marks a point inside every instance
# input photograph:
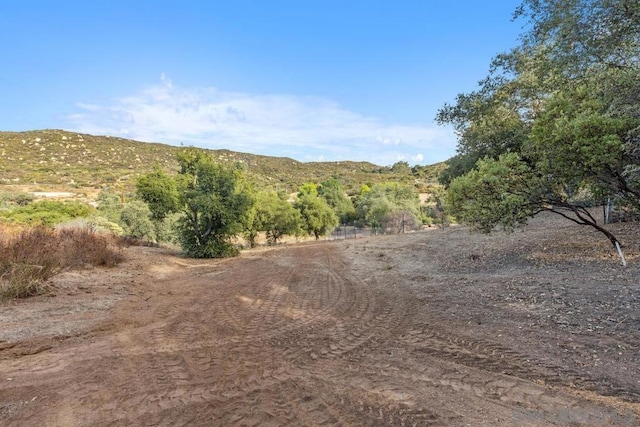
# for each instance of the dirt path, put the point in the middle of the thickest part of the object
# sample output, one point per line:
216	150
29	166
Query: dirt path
335	333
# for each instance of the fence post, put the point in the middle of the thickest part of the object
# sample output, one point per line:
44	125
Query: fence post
607	211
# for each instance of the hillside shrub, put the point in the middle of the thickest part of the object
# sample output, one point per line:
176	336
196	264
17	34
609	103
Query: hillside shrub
22	198
109	205
47	212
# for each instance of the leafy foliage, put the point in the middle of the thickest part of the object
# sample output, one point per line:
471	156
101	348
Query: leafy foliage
318	218
47	212
109	205
501	192
213	200
136	221
558	117
576	139
583	33
273	215
333	193
374	204
401	167
160	191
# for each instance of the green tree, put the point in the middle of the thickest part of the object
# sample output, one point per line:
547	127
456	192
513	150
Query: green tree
589	49
403	197
167	229
274	215
507	192
213	200
308	189
557	117
401	167
254	220
135	219
383	200
457	166
573	148
503	192
373	206
281	219
333	193
160	191
582	34
575	138
318	218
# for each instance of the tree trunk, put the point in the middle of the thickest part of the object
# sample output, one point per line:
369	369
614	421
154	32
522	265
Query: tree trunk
585	218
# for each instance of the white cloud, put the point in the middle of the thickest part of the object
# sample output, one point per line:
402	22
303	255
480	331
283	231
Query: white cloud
388	141
88	107
166	81
274	124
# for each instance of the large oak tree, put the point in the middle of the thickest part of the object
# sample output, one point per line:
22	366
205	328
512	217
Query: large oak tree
556	124
213	200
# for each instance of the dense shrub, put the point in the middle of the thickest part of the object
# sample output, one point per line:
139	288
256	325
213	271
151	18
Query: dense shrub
47	212
23	199
109	205
20	199
135	219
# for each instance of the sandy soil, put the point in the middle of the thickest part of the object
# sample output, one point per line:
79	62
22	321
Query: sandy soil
439	328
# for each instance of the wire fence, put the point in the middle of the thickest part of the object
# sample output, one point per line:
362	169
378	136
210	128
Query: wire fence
346	232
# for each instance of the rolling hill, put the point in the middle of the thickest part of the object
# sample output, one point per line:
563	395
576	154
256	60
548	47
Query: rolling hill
57	158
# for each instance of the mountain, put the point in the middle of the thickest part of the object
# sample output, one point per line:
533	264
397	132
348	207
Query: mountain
60	158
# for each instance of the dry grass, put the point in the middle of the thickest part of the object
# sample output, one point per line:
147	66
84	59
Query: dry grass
30	257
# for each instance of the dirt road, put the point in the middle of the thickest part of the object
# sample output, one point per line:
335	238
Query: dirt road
370	332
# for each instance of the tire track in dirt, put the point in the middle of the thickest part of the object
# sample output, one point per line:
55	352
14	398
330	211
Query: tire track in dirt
499	359
463	350
292	338
326	299
351	315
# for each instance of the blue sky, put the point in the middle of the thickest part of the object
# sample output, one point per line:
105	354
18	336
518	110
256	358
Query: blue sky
312	80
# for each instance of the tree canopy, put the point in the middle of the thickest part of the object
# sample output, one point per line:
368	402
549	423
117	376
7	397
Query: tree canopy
318	218
212	198
273	215
377	204
332	191
556	124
